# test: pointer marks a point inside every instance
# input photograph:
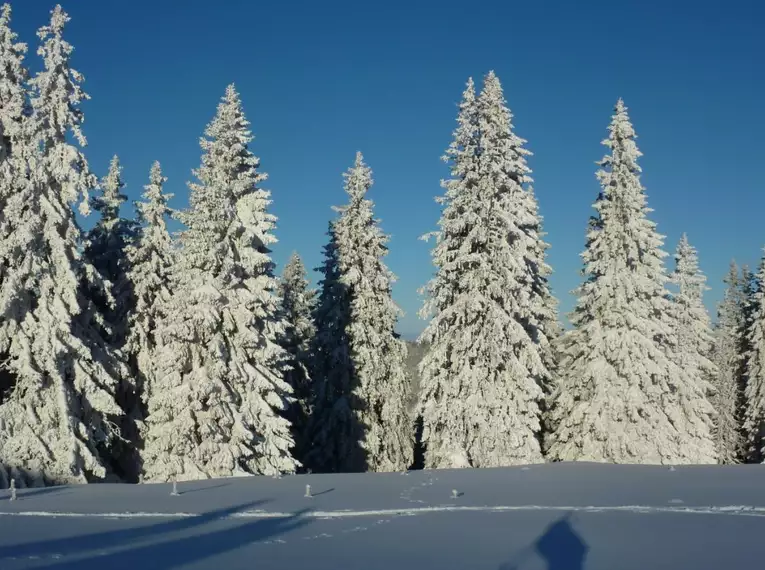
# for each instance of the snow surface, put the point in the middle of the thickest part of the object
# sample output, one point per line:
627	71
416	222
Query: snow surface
554	516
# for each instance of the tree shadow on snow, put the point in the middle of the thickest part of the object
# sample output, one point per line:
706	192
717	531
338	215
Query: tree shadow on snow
186	550
183	491
22	494
82	544
560	546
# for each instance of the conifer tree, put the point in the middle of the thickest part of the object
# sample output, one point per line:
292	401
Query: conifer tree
370	391
14	115
490	302
623	396
149	259
749	285
14	108
694	328
730	362
332	374
105	248
754	409
215	405
60	413
298	302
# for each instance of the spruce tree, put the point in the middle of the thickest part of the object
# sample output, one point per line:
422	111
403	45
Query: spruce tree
754	409
371	390
730	362
14	120
491	310
14	108
105	248
623	395
60	415
333	437
215	404
149	259
694	328
297	304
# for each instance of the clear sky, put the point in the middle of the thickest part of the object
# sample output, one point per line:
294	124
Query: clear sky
321	80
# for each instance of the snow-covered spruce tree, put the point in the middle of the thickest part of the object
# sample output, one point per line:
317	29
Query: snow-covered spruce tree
146	283
623	395
730	362
364	402
298	303
694	328
59	418
14	121
150	259
748	288
218	390
754	409
483	372
105	249
14	115
14	108
546	314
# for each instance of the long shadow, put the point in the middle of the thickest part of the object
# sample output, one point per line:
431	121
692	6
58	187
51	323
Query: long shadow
187	550
114	538
183	491
323	492
560	546
37	491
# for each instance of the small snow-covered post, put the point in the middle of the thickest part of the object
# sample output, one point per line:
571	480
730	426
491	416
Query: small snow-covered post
455	494
308	491
174	492
13	489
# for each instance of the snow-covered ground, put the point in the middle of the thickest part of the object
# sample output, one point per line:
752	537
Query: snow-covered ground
555	517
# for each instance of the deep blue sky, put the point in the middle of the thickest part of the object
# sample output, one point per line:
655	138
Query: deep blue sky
320	80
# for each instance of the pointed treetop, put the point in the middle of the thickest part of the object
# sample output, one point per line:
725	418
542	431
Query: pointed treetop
231	93
8	37
621	132
59	18
153	190
154	210
685	252
111	198
493	95
687	263
57	89
294	265
230	129
13	76
732	276
358	179
469	92
5	15
492	87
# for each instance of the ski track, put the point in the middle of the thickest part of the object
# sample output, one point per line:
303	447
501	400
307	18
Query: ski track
740	510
